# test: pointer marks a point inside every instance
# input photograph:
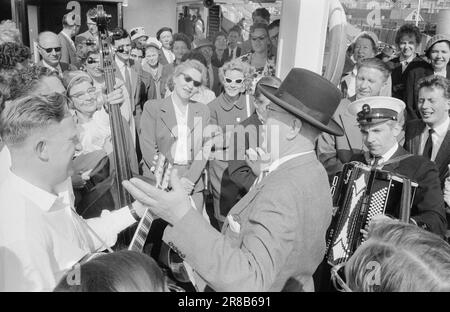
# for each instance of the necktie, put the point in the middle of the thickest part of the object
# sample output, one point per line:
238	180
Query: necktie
428	149
376	161
128	80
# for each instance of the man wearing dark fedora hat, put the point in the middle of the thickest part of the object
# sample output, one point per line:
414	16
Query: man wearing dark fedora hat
273	239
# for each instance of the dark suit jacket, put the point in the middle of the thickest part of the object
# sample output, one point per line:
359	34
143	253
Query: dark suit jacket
240	173
403	84
414	130
158	134
64	66
216	86
68	52
428	208
280	240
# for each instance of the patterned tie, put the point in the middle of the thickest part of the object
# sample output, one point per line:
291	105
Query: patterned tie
428	149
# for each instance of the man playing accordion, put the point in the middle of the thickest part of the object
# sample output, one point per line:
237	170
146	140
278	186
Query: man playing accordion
379	119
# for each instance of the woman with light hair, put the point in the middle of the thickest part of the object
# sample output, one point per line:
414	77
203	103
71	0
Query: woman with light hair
397	257
229	109
173	127
89	110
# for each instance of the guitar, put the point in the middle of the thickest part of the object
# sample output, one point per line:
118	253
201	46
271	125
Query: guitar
174	267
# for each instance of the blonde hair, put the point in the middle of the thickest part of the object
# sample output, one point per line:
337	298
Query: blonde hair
401	257
190	64
237	65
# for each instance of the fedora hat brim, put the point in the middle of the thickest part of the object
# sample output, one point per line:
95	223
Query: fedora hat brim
332	127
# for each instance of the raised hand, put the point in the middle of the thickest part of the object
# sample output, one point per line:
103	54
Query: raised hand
170	206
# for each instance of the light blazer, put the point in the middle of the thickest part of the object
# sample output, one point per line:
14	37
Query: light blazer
414	130
158	133
283	221
68	52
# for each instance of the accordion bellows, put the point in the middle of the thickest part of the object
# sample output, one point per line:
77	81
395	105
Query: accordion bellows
361	192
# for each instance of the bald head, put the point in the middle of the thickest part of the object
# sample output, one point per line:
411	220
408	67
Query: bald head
49	47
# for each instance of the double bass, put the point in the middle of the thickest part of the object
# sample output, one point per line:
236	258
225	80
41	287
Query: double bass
110	194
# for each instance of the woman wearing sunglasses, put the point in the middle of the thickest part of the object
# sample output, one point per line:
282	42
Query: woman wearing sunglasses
397	257
260	58
227	110
173	127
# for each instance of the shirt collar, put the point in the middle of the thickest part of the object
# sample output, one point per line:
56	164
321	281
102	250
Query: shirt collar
386	156
355	70
58	67
65	35
43	199
278	162
442	129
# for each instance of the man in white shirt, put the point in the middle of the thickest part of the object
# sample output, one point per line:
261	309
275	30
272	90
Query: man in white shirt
41	236
273	239
430	136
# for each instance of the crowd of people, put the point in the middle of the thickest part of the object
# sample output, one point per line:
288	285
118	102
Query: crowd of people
252	159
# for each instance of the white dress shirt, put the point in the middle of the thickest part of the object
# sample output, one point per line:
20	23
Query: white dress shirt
170	57
437	137
181	149
41	236
57	68
441	73
386	156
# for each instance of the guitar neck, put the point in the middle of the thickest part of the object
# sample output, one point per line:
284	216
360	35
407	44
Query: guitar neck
162	175
140	236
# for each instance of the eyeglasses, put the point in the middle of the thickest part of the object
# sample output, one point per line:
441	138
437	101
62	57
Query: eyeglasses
188	79
49	50
123	48
89	92
91	60
229	80
260	38
338	278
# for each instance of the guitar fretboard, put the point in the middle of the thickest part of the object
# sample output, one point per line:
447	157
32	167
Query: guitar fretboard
162	175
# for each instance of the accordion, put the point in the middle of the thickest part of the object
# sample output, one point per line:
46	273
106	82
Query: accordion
359	193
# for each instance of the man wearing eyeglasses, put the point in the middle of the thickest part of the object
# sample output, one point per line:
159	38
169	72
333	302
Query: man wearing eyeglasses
49	48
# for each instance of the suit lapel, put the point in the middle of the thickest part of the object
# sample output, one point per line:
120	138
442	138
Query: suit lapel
443	155
399	152
416	140
168	116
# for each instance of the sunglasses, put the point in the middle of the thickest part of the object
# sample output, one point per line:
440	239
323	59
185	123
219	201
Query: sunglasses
260	38
91	60
188	79
338	278
229	80
49	50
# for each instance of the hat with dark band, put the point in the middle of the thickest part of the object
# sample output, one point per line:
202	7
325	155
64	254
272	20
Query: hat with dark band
376	109
308	96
